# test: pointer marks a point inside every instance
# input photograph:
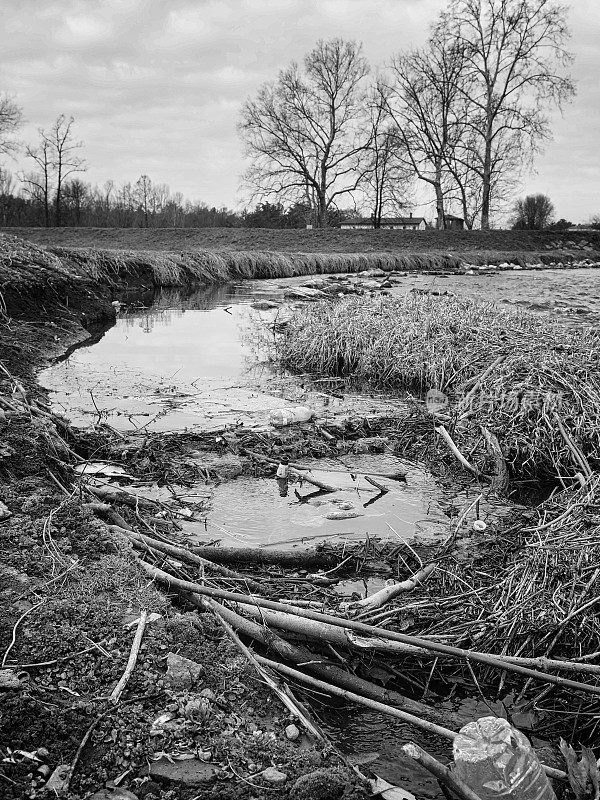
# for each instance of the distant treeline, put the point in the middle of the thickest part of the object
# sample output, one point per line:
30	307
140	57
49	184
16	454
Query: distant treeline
142	204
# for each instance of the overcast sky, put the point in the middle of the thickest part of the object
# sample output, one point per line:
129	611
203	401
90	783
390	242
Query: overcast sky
155	86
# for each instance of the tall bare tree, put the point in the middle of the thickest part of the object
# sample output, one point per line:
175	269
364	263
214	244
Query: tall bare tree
11	119
386	175
38	184
305	133
143	192
515	62
422	96
57	157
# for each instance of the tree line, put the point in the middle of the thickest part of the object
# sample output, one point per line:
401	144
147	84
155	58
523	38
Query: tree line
463	115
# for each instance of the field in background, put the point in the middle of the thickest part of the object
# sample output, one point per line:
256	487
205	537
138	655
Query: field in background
331	240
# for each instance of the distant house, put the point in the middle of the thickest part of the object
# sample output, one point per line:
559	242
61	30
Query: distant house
388	223
454	223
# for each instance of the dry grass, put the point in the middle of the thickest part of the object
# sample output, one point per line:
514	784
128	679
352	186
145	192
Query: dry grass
506	370
207	266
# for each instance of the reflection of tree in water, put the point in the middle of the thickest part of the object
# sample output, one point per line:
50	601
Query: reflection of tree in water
171	302
151	318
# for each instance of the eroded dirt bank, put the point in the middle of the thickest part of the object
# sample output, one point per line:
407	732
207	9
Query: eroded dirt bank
70	589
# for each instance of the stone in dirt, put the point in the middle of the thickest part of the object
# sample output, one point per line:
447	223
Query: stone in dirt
322	784
114	794
192	772
292	733
274	776
182	672
9	679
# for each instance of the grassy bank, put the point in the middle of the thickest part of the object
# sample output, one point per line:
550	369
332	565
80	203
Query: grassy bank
330	240
168	257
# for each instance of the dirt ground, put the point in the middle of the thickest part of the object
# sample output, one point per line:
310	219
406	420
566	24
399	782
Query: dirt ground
69	591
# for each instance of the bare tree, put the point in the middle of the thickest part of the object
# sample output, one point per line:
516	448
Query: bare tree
422	97
533	212
7	189
38	184
66	158
515	61
11	119
57	158
75	193
305	134
143	196
386	175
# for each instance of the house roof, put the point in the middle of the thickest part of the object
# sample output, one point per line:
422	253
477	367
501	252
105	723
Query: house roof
385	221
453	216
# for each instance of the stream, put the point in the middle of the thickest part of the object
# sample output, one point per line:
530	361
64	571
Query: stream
180	360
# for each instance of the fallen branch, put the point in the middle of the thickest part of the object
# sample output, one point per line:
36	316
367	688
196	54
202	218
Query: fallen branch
456	452
255	555
322	668
442	773
132	660
393	476
388	593
360	627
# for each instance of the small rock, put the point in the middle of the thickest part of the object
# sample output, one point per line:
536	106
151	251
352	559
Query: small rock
9	679
274	776
192	772
292	733
114	794
182	672
5	512
322	784
208	694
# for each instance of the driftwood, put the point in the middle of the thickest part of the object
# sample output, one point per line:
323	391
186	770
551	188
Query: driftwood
286	697
442	773
322	668
255	555
388	593
113	495
470	655
142	542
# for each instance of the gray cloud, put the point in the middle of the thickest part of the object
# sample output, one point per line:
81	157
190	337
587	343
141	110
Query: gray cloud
156	86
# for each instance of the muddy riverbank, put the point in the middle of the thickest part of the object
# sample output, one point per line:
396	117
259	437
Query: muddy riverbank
79	500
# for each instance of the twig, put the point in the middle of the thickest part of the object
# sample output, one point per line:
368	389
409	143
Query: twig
133	656
441	772
14	630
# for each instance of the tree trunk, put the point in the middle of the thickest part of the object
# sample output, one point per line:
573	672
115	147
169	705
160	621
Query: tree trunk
486	179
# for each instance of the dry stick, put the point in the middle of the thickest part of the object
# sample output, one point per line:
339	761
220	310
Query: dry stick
329	688
321	667
388	593
393	476
430	727
579	457
14	630
478	383
383	489
283	696
183	554
442	773
484	658
131	661
457	454
255	555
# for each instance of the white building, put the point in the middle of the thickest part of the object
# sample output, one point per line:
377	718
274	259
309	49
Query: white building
388	223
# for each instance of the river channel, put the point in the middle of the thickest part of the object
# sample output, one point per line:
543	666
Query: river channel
180	360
